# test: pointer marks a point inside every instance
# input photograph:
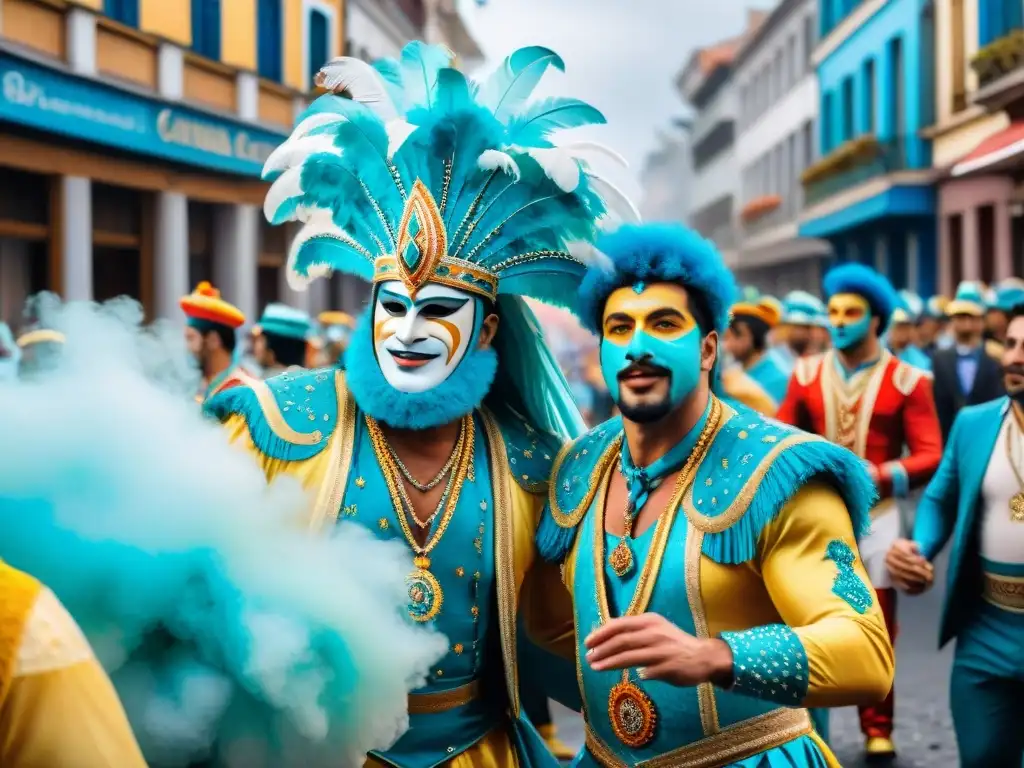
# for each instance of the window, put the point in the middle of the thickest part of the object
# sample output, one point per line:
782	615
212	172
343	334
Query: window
206	28
792	172
897	107
997	18
869	96
268	39
808	144
124	11
986	223
846	110
809	39
319	42
826	124
955	230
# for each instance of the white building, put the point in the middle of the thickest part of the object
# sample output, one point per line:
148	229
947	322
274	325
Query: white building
667	176
706	83
777	96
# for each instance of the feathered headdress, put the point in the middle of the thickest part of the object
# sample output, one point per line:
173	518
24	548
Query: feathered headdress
408	171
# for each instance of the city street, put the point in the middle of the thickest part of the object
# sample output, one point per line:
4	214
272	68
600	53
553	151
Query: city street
924	732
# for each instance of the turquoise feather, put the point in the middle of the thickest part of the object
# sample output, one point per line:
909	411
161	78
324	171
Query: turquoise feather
539	120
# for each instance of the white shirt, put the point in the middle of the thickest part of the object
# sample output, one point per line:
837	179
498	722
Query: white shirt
1002	539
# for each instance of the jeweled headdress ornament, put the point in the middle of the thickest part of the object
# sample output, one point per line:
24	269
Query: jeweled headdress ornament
408	171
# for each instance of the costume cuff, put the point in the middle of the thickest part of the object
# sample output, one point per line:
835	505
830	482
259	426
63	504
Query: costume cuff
769	663
897	475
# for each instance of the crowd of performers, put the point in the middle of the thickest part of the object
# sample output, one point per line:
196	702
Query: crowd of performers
705	574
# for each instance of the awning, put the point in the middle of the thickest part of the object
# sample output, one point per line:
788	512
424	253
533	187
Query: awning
1008	144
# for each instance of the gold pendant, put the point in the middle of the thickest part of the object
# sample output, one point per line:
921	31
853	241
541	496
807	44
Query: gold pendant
1017	508
632	714
425	594
621	559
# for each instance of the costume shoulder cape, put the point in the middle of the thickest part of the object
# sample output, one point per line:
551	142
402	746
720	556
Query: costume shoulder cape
291	417
753	466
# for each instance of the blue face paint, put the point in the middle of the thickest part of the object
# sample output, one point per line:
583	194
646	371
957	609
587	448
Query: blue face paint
851	334
680	356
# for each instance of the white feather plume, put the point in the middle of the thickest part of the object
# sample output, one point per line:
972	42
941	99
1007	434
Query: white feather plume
493	159
559	166
295	151
317	221
617	204
398	131
315	121
360	81
589	255
580	150
285	187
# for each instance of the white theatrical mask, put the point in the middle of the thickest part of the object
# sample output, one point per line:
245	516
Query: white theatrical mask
420	342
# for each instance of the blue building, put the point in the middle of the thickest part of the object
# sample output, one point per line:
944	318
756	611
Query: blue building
871	194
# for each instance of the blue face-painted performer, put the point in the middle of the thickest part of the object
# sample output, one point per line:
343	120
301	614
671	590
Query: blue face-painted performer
976	500
453	201
711	554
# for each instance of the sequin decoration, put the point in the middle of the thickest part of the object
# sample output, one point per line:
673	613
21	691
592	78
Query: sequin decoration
769	663
847	585
632	714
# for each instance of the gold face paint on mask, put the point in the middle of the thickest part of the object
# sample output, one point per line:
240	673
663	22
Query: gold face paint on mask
660	311
846	309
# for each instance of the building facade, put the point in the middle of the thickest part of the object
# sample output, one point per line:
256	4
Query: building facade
706	83
978	140
133	134
776	142
871	192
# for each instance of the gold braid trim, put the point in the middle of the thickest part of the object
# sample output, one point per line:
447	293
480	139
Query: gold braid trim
572	518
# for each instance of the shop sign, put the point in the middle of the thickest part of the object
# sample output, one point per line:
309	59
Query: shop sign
50	100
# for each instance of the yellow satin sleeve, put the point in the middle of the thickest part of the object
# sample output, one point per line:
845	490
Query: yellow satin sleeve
849	655
60	708
310	472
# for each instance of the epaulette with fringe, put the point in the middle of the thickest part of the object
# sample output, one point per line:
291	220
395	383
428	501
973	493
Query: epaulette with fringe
753	468
290	417
575	476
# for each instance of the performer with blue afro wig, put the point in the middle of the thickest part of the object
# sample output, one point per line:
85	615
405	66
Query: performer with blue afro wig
861	396
844	283
706	548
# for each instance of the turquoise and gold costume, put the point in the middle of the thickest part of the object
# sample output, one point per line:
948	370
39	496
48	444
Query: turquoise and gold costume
757	546
453	200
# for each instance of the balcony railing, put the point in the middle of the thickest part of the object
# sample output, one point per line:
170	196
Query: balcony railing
783	214
851	164
1000	69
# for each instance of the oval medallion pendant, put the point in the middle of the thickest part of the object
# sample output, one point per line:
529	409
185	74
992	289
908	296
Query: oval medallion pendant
425	595
632	714
1017	508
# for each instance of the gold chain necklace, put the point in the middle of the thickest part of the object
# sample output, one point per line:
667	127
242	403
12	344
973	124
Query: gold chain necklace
632	713
424	590
1017	500
406	501
424	487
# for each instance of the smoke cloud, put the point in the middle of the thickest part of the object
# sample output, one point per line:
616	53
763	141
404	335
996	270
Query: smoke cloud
227	628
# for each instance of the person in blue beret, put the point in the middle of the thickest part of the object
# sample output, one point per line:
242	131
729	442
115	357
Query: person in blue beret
900	335
280	338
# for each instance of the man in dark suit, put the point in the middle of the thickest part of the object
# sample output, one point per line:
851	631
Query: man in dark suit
965	374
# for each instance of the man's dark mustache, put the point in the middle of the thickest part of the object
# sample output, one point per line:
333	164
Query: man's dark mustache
1013	370
643	369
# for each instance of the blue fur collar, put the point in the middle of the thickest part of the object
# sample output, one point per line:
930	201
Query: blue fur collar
459	394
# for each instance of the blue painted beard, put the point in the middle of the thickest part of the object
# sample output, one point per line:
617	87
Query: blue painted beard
679	359
848	336
461	393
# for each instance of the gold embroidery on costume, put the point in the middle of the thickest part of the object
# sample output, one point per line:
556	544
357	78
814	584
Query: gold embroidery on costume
275	419
332	489
571	518
849	405
504	536
632	713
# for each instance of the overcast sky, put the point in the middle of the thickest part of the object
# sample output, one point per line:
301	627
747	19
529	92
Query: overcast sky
620	55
